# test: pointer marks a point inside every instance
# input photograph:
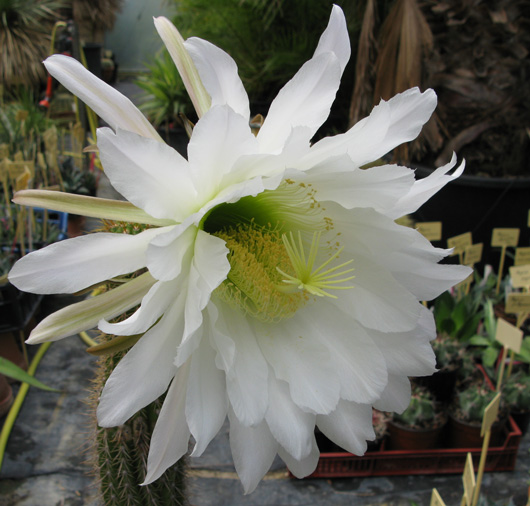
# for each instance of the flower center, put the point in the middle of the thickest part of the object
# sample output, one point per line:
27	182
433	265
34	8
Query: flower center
258	259
271	277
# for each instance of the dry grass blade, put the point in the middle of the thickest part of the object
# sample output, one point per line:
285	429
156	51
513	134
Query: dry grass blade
405	39
361	101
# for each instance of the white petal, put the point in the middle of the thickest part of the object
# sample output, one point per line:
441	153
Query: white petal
396	396
355	357
86	314
218	73
110	105
206	399
150	174
145	372
171	253
171	434
72	265
304	101
290	426
338	180
377	301
219	139
154	304
207	271
409	353
425	188
349	426
335	38
223	344
295	351
390	124
304	467
246	377
253	450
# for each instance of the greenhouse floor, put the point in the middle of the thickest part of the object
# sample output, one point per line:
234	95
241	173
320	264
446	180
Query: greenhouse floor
45	462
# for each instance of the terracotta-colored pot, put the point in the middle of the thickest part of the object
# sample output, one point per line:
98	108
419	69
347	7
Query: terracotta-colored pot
404	438
467	435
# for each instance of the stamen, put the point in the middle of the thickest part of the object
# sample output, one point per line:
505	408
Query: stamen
315	281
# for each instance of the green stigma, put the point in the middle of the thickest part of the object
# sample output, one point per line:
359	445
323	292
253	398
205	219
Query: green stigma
313	280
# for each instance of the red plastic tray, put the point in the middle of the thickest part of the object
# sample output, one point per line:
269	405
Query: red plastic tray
432	461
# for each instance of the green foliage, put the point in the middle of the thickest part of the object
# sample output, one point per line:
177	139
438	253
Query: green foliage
7	368
76	180
22	124
165	96
491	347
268	40
457	318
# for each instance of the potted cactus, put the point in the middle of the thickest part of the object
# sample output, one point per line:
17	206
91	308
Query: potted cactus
420	426
516	393
449	356
465	417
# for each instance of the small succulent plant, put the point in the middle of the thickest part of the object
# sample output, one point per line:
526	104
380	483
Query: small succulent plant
423	411
469	404
516	391
448	351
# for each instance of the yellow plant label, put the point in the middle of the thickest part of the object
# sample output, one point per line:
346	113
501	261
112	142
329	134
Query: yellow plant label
16	169
431	230
517	303
505	237
520	276
21	115
522	256
469	480
473	254
460	242
436	499
509	335
490	414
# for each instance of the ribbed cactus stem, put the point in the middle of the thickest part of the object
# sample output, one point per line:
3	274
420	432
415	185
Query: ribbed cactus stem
120	455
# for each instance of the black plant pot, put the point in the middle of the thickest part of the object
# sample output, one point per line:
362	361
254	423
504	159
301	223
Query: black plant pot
479	204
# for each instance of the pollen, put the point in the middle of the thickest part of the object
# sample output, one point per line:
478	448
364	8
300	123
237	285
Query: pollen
258	257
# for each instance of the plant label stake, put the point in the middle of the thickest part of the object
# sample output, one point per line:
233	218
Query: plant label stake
459	243
473	254
436	499
490	414
522	256
469	481
511	338
503	237
431	230
520	276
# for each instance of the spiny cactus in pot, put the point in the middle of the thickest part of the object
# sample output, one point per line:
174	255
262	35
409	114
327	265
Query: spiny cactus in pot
420	425
466	413
516	394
